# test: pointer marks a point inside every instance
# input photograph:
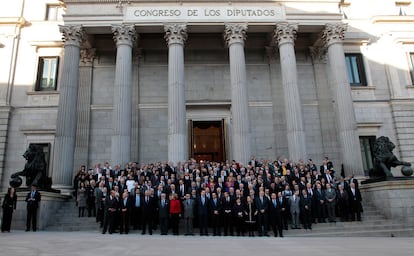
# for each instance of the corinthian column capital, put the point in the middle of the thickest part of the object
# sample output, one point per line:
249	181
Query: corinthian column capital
334	33
318	54
285	33
175	33
124	34
87	55
235	33
72	35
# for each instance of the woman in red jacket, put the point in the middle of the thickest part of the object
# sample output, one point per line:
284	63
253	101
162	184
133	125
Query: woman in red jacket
175	212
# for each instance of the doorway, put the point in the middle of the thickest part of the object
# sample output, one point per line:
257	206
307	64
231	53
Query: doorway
207	140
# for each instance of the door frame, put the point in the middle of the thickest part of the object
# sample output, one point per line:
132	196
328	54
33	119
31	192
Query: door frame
210	113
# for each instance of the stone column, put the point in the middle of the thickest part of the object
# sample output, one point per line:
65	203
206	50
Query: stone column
328	134
285	35
278	102
235	35
87	55
63	155
176	35
124	36
333	36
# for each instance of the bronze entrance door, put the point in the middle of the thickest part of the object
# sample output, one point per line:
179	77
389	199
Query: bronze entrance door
207	140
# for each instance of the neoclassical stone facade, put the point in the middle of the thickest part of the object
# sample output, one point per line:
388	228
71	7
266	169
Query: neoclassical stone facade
143	81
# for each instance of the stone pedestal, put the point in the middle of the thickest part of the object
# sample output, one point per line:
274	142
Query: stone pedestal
49	204
393	198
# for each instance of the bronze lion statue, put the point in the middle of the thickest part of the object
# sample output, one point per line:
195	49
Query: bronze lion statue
384	159
34	169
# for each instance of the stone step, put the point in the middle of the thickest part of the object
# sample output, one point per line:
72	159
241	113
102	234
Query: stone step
392	232
373	224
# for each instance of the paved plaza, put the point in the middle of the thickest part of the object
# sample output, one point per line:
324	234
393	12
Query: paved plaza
89	243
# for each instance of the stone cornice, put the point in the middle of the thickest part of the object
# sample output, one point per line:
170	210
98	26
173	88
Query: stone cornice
19	21
393	19
189	1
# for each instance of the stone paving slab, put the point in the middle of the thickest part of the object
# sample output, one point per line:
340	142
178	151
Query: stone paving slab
46	243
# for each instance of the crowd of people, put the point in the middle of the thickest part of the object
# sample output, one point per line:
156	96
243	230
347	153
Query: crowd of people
260	198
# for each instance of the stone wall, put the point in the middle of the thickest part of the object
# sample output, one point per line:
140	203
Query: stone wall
393	198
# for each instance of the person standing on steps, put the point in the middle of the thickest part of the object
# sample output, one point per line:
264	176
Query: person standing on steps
33	198
9	205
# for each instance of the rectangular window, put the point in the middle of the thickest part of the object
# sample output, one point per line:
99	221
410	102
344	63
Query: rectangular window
47	74
412	67
355	68
367	147
54	12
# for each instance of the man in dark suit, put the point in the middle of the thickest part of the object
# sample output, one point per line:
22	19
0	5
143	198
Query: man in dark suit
284	205
320	202
215	213
126	210
148	210
136	201
262	205
202	212
163	213
275	215
306	209
355	202
326	165
227	210
33	198
111	206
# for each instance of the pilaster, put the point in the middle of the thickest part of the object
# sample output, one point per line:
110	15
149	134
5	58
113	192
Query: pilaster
87	56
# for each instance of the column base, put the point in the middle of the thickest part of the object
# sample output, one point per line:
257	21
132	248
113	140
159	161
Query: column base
64	189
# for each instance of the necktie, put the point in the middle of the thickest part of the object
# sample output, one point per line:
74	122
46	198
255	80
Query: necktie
274	202
137	201
163	203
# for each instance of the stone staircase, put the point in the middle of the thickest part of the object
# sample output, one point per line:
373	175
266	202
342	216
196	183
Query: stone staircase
373	224
67	220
